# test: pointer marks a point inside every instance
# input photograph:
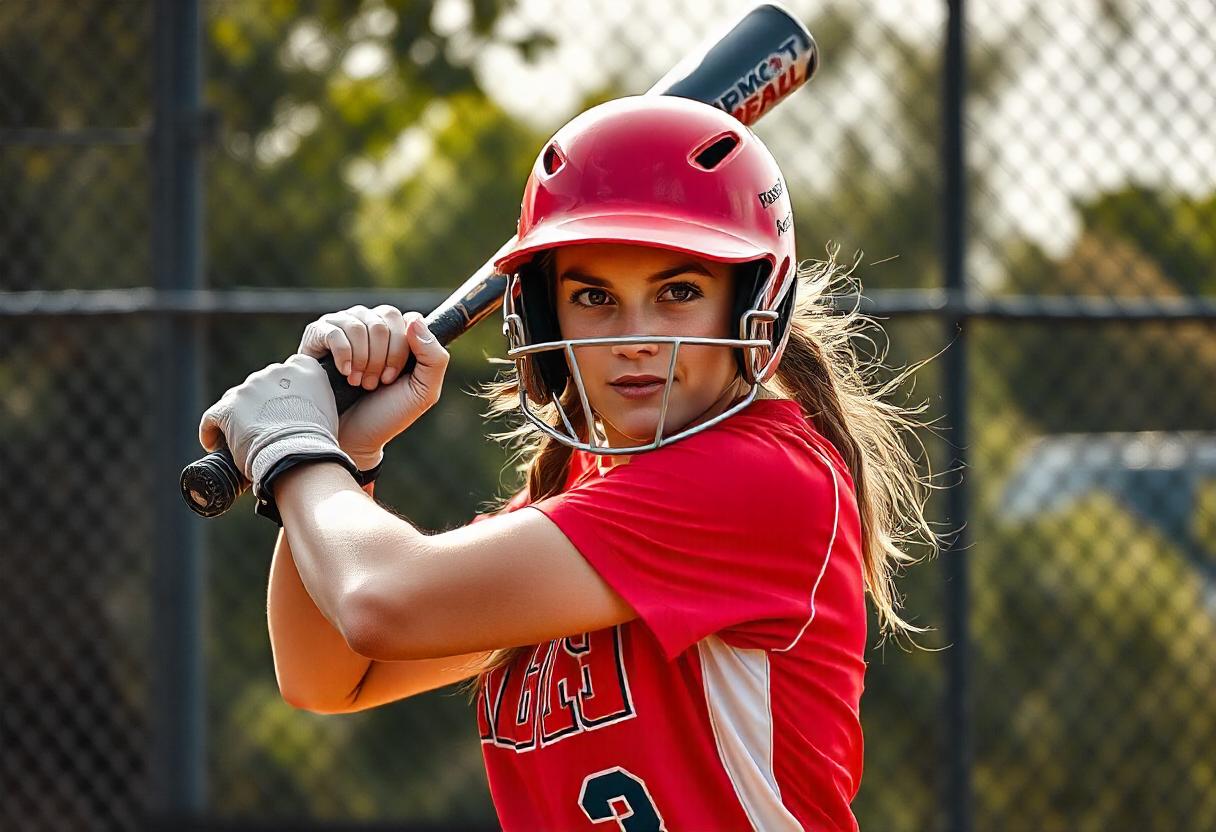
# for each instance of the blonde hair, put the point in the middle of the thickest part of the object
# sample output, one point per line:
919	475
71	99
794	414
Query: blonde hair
839	393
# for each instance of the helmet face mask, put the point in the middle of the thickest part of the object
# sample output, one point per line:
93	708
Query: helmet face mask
728	206
550	373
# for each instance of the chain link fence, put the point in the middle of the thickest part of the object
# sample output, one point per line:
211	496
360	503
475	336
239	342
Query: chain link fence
1064	249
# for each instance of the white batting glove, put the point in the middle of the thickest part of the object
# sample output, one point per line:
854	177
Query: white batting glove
279	411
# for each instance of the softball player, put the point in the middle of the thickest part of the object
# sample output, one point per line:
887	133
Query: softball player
666	627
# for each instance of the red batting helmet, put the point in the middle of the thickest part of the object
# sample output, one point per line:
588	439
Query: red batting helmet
655	171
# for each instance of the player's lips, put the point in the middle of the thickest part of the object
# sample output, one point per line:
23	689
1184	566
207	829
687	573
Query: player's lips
637	387
642	379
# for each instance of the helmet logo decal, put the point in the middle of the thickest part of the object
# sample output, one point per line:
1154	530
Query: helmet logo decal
770	196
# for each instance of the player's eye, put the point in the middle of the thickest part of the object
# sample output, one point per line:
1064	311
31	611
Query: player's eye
680	292
590	297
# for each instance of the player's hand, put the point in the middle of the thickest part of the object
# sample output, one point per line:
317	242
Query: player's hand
370	348
279	411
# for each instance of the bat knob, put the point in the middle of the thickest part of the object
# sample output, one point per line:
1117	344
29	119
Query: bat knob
212	484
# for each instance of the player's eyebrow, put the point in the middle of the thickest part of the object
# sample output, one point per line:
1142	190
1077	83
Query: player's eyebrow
577	274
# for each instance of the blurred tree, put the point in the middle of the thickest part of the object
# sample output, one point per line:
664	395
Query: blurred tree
73	70
1136	242
1101	641
74	582
1070	602
1177	233
330	110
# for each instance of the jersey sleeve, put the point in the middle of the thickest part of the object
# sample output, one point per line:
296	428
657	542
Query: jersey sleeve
726	536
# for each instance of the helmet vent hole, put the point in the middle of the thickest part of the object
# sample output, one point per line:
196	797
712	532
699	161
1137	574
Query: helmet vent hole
552	160
715	152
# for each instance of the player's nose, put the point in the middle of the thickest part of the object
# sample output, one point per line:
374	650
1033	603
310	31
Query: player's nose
634	321
635	350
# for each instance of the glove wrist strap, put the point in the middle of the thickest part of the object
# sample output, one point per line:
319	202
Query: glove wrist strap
265	504
368	476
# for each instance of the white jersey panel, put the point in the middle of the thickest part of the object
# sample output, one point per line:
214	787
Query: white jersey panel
737	692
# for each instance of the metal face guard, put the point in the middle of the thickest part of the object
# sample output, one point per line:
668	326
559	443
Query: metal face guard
754	324
595	443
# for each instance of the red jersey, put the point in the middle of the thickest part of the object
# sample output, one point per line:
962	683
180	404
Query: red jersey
731	702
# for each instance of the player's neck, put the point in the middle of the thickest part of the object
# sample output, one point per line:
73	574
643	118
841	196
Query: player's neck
736	391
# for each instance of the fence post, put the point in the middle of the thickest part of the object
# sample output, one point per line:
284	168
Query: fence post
958	797
178	790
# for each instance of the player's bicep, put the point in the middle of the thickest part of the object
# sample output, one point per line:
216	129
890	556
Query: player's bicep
509	580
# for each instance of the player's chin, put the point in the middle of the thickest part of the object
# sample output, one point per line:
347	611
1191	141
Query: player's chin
640	422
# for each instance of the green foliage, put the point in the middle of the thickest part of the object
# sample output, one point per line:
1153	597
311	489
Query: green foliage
1135	242
1084	597
356	146
1177	232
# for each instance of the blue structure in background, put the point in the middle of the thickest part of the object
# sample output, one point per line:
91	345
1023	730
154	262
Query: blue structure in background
1156	475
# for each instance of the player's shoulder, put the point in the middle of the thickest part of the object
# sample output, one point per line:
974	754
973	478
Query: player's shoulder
517	501
769	447
795	428
769	432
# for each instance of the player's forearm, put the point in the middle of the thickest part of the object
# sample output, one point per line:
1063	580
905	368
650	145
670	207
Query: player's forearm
315	667
349	551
